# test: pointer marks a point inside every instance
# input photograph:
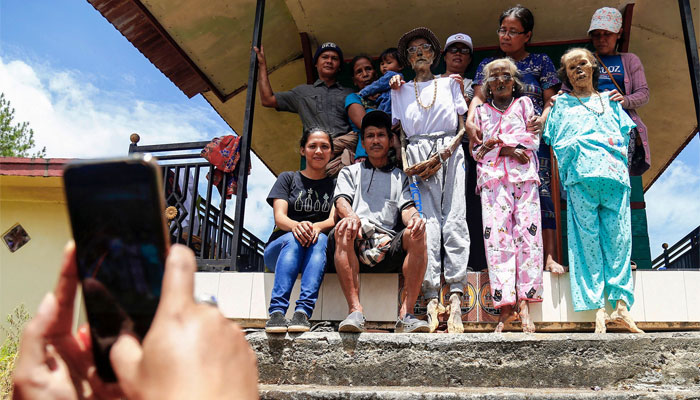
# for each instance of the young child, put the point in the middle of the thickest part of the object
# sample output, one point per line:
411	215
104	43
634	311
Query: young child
389	66
507	178
589	132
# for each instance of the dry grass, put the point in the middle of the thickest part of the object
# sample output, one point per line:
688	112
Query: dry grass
8	351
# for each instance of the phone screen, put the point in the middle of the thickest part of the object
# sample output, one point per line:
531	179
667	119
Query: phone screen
116	216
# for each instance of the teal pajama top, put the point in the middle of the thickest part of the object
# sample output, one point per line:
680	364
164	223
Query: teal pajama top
588	145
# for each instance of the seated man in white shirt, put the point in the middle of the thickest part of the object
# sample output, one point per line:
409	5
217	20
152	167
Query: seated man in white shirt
369	197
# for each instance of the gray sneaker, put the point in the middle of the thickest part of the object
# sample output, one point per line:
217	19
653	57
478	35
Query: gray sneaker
411	324
355	322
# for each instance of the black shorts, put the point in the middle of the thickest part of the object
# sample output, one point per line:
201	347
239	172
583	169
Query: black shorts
392	262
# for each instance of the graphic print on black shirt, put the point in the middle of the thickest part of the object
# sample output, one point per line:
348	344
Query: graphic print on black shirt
311	202
307	199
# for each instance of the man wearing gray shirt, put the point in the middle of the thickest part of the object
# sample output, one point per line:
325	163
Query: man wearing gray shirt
319	105
369	197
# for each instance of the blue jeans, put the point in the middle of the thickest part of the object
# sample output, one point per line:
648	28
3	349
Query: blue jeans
286	257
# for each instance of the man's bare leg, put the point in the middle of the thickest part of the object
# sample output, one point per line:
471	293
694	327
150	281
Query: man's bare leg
347	267
601	317
623	316
454	322
414	266
507	315
525	317
549	242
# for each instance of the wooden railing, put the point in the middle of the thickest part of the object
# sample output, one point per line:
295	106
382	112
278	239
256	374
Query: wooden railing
200	223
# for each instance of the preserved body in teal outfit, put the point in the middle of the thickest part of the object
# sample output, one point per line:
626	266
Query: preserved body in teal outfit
589	137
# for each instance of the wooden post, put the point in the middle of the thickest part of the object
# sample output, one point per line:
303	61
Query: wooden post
691	51
308	57
556	199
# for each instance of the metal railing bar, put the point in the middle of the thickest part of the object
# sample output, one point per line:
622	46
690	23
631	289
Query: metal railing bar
170	147
220	224
168	157
206	214
195	200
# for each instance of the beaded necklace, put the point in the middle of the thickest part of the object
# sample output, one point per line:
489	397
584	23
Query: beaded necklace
602	106
415	88
493	103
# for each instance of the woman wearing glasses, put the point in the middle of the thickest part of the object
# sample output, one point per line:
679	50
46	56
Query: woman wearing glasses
540	83
458	56
429	110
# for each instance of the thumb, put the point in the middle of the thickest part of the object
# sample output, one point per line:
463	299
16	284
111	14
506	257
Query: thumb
126	354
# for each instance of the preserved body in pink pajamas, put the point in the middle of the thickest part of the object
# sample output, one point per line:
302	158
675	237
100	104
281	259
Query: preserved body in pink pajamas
510	202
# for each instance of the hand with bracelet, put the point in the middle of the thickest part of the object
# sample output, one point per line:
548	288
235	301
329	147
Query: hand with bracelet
486	147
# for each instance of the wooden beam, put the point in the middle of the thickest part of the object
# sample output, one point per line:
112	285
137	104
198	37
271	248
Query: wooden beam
624	43
308	57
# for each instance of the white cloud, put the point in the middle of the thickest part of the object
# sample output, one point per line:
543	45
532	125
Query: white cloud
673	209
75	119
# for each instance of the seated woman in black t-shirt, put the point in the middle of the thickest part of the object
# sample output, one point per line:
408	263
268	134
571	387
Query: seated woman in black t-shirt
303	205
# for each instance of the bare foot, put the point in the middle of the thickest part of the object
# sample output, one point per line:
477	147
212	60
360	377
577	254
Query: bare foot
601	317
554	267
507	315
525	318
622	315
434	308
454	322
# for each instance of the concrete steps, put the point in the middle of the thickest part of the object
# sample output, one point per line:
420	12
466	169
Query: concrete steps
311	392
478	366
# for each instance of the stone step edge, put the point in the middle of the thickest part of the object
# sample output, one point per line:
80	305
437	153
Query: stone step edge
323	391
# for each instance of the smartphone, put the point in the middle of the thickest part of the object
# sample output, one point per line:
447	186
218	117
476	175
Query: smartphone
116	210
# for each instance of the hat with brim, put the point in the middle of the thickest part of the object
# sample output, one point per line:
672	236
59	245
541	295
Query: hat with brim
421	32
606	18
376	118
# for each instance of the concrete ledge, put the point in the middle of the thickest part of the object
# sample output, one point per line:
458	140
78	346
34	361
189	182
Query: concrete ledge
310	392
663	300
579	360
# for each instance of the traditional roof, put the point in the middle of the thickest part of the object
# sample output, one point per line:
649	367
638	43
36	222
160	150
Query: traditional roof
24	166
203	46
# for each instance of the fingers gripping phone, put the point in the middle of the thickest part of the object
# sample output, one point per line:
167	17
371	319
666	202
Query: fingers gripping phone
116	211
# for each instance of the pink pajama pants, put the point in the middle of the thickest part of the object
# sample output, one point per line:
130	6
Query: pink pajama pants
512	224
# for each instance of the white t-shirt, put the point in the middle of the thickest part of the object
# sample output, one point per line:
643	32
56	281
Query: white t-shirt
441	117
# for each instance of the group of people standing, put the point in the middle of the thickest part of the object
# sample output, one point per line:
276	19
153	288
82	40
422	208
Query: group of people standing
409	176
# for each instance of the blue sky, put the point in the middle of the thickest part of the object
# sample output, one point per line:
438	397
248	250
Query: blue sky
84	88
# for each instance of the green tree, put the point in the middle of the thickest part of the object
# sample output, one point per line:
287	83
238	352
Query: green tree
15	140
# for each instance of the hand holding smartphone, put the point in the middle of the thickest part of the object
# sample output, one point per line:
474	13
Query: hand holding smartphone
116	212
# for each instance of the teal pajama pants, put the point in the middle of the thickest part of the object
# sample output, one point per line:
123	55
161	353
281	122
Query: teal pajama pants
600	243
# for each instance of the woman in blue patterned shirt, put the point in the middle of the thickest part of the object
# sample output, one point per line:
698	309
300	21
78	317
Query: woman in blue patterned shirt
540	81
